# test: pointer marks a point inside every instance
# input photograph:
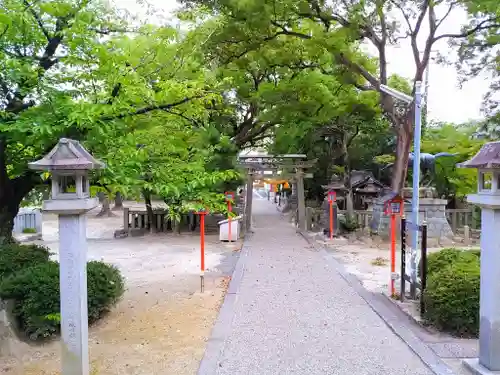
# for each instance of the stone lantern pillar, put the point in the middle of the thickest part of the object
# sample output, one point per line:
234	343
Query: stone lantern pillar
69	164
487	162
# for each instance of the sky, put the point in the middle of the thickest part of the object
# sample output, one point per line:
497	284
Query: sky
447	101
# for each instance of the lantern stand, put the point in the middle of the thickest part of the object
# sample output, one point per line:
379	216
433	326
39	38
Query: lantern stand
69	164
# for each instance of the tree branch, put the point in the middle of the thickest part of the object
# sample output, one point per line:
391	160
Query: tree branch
358	69
38	20
163	107
483	25
450	8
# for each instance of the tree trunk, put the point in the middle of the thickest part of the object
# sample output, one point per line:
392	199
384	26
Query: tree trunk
12	193
118	202
106	207
149	210
7	215
404	133
349	198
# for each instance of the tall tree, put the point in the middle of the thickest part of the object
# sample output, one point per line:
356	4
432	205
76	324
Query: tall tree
335	25
74	68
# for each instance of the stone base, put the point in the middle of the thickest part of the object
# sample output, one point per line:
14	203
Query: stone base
473	365
431	210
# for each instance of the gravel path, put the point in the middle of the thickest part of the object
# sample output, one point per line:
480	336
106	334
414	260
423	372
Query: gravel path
295	315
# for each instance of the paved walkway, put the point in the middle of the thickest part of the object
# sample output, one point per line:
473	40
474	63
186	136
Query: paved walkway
293	314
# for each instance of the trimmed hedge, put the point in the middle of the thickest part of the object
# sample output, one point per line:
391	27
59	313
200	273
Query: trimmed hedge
105	286
452	293
445	257
15	257
33	286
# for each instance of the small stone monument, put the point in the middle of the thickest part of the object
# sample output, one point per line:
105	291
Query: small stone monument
69	164
487	162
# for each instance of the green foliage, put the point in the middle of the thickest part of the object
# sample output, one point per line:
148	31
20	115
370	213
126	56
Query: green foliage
14	257
35	292
82	70
443	258
29	230
348	223
452	297
31	281
451	181
105	286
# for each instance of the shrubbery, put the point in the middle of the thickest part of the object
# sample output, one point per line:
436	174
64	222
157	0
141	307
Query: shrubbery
32	283
14	258
452	294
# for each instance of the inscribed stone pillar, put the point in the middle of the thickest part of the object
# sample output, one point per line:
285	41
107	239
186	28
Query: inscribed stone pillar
489	311
487	163
73	286
70	163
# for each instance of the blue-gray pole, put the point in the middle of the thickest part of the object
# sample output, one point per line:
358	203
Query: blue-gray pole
416	177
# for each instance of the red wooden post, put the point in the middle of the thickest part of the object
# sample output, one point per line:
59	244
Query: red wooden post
202	214
229	198
393	207
202	243
332	196
393	252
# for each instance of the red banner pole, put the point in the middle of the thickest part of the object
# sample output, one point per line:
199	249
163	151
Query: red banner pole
202	250
393	252
229	219
331	219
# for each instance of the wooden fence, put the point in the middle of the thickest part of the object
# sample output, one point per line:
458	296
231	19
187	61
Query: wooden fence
460	220
138	220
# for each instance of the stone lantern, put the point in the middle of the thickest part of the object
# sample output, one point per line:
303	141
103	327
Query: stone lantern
69	164
487	163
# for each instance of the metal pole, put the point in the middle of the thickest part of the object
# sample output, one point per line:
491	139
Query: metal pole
416	179
426	92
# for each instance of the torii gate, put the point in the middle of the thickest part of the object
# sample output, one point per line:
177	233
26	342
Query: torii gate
256	165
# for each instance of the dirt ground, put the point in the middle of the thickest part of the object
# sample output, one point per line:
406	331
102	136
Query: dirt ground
163	322
369	262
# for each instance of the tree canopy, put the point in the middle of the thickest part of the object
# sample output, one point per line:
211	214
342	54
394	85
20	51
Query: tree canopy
168	109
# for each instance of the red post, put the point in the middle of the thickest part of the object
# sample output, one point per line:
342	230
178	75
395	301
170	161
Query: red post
331	220
229	198
202	243
332	196
202	214
229	220
393	252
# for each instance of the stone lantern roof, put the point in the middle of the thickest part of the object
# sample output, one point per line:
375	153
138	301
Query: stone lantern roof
488	157
67	155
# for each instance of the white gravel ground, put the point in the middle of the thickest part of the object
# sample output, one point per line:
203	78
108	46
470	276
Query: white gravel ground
295	315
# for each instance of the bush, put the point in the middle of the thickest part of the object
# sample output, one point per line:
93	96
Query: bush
35	292
347	223
452	297
441	259
15	257
105	286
